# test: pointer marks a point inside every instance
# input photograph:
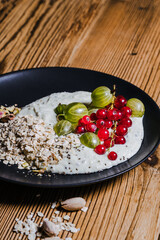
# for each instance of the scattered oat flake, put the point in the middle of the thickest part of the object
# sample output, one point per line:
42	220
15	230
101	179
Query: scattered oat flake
53	205
38	195
40	214
57	212
66	217
74	230
29	228
30	215
57	219
84	209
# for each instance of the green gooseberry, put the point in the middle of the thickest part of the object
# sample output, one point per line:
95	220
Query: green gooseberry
101	97
75	111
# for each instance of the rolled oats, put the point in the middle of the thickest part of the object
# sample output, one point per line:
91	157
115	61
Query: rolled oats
31	144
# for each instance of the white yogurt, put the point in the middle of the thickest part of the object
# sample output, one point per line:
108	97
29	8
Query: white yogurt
84	159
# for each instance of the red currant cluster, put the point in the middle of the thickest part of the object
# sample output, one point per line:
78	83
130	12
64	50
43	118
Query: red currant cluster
114	116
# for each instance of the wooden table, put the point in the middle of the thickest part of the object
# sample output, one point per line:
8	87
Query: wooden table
121	38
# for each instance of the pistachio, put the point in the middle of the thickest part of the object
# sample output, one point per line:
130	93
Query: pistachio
73	204
12	109
50	228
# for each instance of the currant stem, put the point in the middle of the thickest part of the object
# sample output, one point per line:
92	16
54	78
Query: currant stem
115	123
113	98
113	134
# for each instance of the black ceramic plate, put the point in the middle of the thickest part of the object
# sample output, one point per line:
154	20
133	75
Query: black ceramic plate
26	86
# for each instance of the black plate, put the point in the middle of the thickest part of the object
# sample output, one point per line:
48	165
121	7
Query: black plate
23	87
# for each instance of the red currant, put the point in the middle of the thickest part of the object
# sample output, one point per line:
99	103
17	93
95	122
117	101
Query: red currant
91	127
121	130
119	115
126	112
120	140
93	116
112	156
112	114
101	113
127	122
120	102
103	134
100	149
86	119
107	143
108	123
81	123
100	123
80	129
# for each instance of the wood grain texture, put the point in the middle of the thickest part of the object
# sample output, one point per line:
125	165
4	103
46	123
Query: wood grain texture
119	37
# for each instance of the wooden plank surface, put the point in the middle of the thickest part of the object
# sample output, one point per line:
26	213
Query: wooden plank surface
119	37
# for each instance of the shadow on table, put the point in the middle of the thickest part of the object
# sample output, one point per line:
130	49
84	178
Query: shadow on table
17	194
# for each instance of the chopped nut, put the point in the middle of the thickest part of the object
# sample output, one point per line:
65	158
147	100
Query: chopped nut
8	113
73	204
50	228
